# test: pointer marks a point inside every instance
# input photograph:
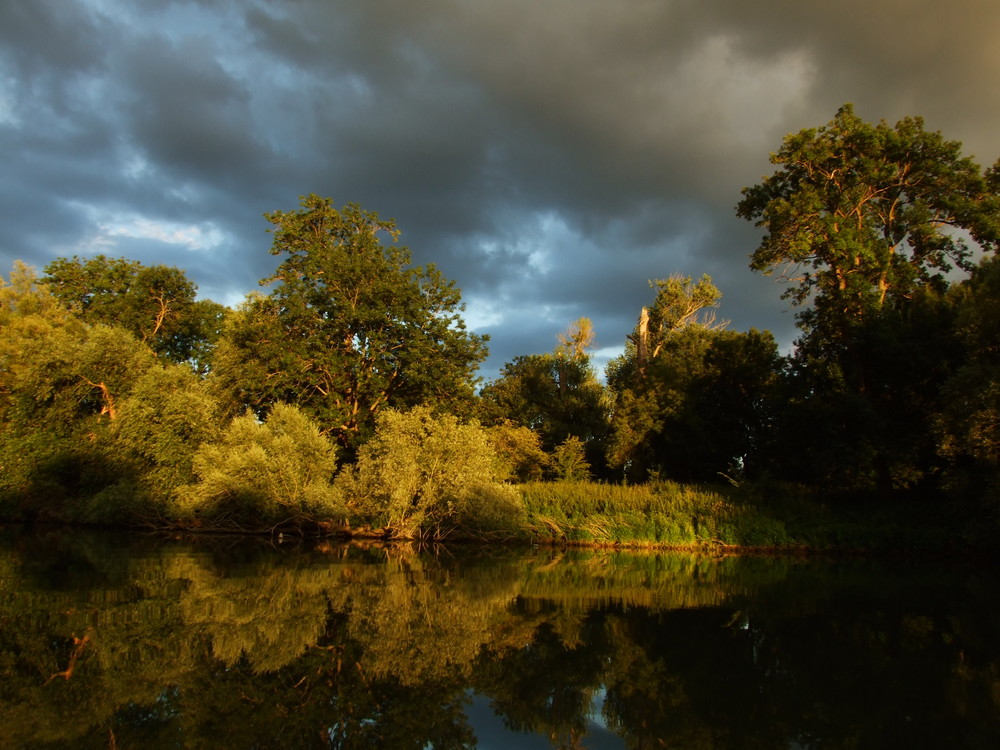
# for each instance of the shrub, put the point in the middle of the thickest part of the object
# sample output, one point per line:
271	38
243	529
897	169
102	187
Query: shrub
519	452
264	473
427	475
161	425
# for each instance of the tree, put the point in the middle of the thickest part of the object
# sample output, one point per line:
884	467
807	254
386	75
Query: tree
701	410
426	475
865	221
689	397
154	303
569	461
859	215
63	384
968	425
93	426
519	452
163	421
557	395
349	327
576	340
679	302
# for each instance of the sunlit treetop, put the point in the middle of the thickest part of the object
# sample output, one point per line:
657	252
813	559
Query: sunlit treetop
858	213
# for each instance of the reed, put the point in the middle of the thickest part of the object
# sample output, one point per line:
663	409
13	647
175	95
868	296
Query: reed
658	513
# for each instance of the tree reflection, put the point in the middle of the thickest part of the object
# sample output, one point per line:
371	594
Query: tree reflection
159	644
548	685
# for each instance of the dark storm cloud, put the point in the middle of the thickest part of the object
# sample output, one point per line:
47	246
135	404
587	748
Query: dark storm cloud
551	157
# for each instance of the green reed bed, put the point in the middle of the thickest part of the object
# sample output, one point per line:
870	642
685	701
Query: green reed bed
660	513
763	516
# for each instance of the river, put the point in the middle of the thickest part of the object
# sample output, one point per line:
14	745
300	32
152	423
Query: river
117	640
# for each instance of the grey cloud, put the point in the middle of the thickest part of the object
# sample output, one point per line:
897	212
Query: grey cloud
551	157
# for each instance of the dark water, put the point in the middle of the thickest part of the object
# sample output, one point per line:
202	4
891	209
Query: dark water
121	641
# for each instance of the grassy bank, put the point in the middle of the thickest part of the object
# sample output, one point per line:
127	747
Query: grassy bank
763	516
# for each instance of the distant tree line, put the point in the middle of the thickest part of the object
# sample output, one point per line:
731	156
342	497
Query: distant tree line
347	389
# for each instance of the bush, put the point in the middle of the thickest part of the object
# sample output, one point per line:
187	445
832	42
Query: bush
162	423
429	475
519	452
262	474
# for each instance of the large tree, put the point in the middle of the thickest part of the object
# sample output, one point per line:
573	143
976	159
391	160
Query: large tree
865	222
858	215
93	426
689	397
349	326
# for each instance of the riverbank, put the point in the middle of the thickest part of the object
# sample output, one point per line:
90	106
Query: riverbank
750	517
762	516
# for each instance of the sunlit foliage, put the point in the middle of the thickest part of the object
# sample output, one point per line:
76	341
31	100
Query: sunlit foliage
155	303
865	222
261	474
424	474
348	328
519	452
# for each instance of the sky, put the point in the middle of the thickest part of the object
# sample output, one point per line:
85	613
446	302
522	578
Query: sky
550	156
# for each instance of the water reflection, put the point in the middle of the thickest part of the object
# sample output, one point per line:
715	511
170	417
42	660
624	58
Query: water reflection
127	641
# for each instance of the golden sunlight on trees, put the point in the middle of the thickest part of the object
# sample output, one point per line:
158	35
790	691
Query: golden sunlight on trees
865	222
348	328
262	474
155	303
557	395
426	474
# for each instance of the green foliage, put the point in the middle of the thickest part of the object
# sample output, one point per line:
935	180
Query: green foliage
971	423
660	513
859	214
556	395
865	221
427	475
167	416
348	328
62	387
519	452
569	460
39	338
155	303
23	298
865	419
690	399
967	425
128	468
260	474
679	302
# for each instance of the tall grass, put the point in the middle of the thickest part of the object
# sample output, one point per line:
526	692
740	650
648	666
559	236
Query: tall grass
659	513
752	515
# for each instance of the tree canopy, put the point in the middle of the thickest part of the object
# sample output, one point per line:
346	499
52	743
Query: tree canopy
345	388
689	397
555	394
866	222
156	304
860	214
349	326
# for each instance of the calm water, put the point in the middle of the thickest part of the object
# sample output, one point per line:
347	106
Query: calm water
120	641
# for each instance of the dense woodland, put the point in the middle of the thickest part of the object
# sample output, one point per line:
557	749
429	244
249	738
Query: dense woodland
345	393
